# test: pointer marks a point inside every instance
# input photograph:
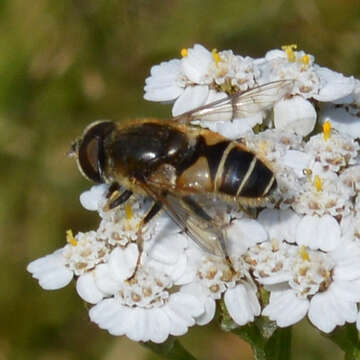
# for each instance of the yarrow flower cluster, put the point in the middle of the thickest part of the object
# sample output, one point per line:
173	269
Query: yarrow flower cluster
302	246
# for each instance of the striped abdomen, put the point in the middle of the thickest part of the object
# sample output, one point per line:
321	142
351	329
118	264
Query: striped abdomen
226	167
241	174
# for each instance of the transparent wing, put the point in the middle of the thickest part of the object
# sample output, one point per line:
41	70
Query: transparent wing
192	219
241	104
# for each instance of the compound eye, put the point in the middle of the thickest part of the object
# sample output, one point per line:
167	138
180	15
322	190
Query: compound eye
91	156
89	160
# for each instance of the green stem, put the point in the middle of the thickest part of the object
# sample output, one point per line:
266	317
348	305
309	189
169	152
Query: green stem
171	349
346	337
276	347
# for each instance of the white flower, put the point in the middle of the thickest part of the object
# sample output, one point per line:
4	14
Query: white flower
85	252
323	285
344	118
280	224
296	114
242	303
271	262
336	153
198	65
238	71
94	198
190	99
334	86
172	317
165	82
214	278
290	64
51	271
318	232
303	244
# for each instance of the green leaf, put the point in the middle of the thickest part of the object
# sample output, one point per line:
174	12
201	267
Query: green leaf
267	345
347	338
171	349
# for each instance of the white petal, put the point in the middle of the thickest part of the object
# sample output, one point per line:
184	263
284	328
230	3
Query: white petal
137	326
162	84
208	315
335	86
186	305
275	54
341	120
346	290
122	262
276	278
163	94
159	325
90	199
209	303
210	120
110	315
244	233
191	98
51	271
178	326
242	304
104	281
318	232
181	310
347	257
326	312
236	128
174	271
296	114
328	233
187	276
87	289
167	249
280	224
286	308
196	64
297	160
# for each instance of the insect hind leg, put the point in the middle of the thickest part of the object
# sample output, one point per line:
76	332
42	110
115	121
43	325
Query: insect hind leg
199	211
157	206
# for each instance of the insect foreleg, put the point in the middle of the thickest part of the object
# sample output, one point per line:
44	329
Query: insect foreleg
116	198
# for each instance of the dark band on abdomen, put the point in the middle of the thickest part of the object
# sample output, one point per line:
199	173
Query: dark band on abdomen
261	182
214	154
234	171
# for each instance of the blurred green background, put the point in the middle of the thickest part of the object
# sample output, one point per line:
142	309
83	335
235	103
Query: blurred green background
64	64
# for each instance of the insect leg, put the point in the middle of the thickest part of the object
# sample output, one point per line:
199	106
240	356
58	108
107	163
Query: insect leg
113	187
250	212
139	240
116	198
199	211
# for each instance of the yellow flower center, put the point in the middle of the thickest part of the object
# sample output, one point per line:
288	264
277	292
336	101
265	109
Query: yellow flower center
305	60
318	183
304	253
70	238
289	50
216	56
128	212
327	130
184	52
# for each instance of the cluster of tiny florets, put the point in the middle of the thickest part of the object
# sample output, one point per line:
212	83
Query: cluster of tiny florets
302	245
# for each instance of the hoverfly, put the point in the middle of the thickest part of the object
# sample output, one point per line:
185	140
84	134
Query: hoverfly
172	161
